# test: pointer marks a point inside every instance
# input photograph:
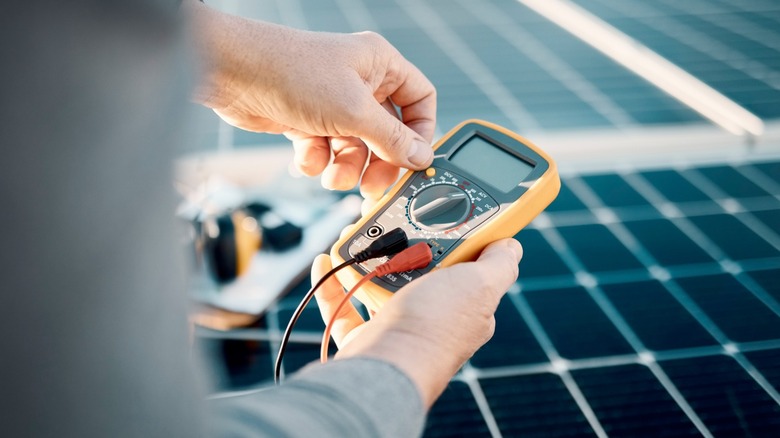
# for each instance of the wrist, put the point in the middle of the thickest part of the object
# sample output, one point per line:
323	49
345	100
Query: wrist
422	360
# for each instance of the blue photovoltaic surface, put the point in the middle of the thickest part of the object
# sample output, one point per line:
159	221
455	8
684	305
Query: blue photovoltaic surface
732	46
614	313
649	301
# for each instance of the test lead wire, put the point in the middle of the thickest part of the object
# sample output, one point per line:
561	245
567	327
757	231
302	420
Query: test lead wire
390	243
416	256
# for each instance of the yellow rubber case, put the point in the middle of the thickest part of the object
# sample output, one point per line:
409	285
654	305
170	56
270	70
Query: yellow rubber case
506	223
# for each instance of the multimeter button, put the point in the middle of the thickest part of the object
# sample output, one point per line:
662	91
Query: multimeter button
430	172
439	207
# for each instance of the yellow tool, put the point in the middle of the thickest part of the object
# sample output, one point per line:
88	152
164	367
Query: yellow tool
485	183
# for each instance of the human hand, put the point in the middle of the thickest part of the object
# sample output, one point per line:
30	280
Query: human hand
429	328
328	93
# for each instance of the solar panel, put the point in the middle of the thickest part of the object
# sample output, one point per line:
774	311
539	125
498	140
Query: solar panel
732	46
649	300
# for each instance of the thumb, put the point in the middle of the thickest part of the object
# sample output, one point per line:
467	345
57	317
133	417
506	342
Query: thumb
392	141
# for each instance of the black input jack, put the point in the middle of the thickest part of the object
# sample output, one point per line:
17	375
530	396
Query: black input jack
374	231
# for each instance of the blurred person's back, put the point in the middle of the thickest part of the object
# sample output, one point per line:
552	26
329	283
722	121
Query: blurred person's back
94	339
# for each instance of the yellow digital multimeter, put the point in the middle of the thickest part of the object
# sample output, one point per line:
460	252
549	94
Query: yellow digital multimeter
485	183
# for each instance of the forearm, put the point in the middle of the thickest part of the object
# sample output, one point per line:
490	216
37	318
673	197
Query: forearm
425	364
223	43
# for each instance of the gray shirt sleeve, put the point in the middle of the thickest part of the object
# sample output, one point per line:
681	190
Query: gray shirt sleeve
348	398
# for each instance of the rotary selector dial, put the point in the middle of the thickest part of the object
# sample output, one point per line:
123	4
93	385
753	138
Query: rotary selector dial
440	207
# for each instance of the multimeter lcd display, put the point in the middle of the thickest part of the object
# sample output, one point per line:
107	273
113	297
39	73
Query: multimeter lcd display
491	163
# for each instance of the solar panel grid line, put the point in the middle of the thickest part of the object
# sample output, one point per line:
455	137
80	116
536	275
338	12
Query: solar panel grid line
470	64
757	376
733	23
754	6
589	197
706	321
358	15
678	397
759	292
622	326
291	13
553	64
747	347
469	377
558	364
514	370
731	206
642	186
761	180
582	402
640	59
647	259
626	359
522	307
697	41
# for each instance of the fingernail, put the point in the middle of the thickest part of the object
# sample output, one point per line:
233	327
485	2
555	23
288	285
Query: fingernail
515	246
420	153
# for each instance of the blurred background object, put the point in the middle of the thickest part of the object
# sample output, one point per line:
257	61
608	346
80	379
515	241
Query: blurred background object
649	297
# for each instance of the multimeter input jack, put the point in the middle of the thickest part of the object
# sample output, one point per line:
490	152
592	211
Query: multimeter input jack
374	231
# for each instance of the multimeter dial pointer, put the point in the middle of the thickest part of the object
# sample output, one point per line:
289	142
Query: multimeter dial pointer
440	207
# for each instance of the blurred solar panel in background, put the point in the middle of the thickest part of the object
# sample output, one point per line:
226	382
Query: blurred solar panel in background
649	298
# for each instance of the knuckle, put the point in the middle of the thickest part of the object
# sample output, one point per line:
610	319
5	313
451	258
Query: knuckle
396	139
373	39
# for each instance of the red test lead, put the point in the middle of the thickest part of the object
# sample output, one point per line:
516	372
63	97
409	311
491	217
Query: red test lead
417	256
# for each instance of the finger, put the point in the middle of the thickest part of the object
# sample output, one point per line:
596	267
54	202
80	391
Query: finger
491	274
350	155
416	96
378	176
329	297
312	153
500	260
347	231
389	138
367	205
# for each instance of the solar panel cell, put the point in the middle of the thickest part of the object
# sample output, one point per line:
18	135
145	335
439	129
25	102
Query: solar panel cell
768	363
674	186
732	182
726	399
733	237
770	218
598	249
512	342
537	405
630	402
575	324
769	280
614	191
770	169
735	310
666	243
566	201
455	413
656	317
539	258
